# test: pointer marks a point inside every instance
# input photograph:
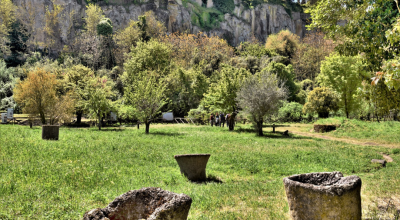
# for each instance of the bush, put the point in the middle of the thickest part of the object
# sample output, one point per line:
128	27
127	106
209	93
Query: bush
290	112
321	100
104	27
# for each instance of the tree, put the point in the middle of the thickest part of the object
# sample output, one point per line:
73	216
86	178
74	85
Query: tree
150	56
7	18
94	14
321	100
284	43
222	93
146	95
52	25
97	96
359	25
75	80
37	95
309	54
344	75
260	95
105	30
286	75
7	82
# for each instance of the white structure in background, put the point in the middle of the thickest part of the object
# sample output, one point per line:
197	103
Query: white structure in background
10	113
168	116
113	116
3	118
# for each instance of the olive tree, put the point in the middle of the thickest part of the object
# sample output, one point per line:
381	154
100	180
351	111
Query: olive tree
261	94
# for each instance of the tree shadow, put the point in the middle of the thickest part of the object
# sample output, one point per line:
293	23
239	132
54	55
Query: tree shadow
277	134
276	126
210	179
160	133
115	129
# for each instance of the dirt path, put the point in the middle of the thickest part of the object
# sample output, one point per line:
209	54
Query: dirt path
346	140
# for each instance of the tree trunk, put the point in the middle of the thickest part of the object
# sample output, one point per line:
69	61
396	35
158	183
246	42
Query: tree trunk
99	121
137	125
30	124
259	128
147	127
42	118
232	121
79	114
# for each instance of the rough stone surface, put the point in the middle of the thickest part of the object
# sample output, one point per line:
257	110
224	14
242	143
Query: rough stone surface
382	162
263	20
324	128
50	132
323	196
147	203
193	166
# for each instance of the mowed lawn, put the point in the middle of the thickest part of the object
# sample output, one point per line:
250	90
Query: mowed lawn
88	168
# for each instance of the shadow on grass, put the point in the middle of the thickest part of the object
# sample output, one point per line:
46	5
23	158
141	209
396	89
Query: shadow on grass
160	133
210	179
115	129
276	126
277	134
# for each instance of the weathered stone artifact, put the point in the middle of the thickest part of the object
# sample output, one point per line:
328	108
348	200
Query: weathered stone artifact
382	162
323	196
50	132
193	166
324	128
146	203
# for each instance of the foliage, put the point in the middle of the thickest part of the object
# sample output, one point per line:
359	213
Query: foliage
146	96
7	18
192	49
286	75
52	25
225	6
17	42
206	18
37	95
260	95
7	82
321	100
94	14
360	25
223	92
150	56
96	97
254	48
284	43
154	27
290	112
311	51
344	75
104	27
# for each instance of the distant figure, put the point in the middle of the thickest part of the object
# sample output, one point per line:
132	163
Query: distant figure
227	119
286	133
216	119
212	119
222	119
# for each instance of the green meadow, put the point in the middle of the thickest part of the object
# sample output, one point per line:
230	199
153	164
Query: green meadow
88	168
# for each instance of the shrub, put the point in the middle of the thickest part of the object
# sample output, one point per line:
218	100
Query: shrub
321	100
290	112
104	27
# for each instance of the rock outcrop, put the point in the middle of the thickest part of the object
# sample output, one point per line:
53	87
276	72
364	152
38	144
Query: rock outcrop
236	27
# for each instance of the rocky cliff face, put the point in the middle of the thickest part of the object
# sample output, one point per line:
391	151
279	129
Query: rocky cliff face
239	26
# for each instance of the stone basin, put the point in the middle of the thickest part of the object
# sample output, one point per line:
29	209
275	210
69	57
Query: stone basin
50	132
326	195
193	166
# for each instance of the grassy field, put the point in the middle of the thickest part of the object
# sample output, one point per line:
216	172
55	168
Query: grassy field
88	168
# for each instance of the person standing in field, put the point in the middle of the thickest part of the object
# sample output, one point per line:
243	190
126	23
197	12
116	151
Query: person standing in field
227	119
216	119
212	119
222	119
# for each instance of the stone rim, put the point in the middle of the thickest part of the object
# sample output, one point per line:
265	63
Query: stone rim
339	187
190	155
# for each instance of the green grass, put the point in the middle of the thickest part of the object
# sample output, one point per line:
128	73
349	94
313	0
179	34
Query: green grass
88	168
380	132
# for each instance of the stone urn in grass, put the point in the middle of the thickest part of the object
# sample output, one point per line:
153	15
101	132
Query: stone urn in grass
50	132
326	195
193	166
146	203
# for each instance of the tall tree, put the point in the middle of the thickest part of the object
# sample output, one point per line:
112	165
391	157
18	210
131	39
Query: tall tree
7	18
146	96
344	75
260	95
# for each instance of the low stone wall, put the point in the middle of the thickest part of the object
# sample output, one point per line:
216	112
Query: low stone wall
50	132
146	203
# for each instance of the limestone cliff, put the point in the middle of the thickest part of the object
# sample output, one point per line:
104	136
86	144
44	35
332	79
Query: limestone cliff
236	27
